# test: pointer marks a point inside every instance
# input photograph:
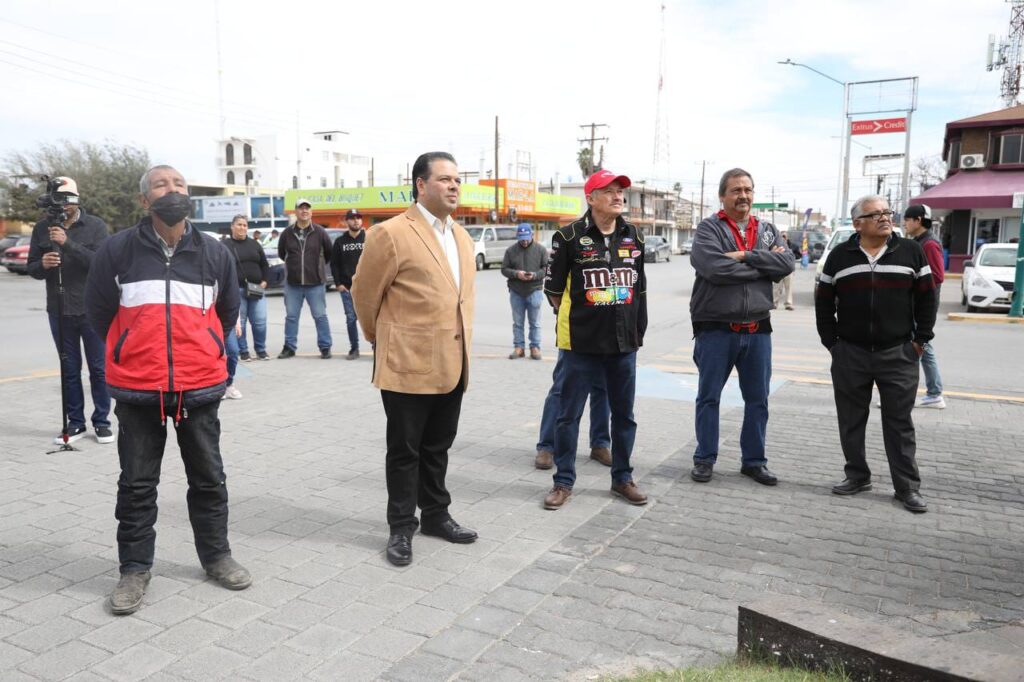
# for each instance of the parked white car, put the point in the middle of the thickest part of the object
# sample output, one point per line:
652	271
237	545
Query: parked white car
987	283
490	243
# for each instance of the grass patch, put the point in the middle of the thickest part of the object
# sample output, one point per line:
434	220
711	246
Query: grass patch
735	671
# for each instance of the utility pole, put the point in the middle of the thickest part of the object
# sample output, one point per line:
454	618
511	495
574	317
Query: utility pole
591	140
496	140
703	167
773	205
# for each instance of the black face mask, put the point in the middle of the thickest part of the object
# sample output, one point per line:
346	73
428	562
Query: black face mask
171	208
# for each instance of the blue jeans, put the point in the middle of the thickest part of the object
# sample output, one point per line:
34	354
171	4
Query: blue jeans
315	296
78	333
521	307
140	448
253	310
231	354
619	373
600	413
351	321
715	353
930	369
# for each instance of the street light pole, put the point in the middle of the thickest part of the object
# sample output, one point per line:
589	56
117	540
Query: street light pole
842	185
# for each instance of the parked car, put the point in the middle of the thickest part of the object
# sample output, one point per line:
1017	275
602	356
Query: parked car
276	273
656	248
687	246
816	244
8	242
987	282
838	237
490	243
15	258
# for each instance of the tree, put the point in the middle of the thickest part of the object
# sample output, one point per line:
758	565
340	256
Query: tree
928	171
586	161
107	175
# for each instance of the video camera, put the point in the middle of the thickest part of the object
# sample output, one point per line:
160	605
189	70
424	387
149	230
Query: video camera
60	193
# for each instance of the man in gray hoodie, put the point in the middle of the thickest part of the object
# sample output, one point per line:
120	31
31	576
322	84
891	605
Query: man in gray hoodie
737	259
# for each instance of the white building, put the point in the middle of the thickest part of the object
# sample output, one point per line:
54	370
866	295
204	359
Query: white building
279	162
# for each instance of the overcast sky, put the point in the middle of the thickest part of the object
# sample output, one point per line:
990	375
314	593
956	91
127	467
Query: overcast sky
406	77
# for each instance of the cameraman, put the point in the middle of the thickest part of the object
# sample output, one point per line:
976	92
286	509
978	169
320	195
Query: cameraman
61	250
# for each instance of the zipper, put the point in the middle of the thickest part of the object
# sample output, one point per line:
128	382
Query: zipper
220	346
167	311
117	348
302	258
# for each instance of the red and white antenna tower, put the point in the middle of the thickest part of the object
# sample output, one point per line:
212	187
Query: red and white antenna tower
661	145
1007	55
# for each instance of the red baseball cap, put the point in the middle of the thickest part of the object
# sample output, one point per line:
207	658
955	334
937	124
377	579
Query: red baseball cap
603	178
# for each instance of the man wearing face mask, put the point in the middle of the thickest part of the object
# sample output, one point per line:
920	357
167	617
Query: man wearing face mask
164	295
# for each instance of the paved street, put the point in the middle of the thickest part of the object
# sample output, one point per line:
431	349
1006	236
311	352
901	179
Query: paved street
598	587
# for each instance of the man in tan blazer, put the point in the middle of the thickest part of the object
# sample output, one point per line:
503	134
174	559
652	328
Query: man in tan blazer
414	292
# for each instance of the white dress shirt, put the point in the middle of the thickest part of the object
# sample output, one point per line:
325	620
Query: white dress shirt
446	238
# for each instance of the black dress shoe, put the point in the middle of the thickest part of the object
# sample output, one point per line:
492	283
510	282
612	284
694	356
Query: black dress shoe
701	471
760	474
450	531
850	486
399	550
912	501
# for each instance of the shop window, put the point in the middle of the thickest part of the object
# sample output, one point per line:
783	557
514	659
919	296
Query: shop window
231	178
229	154
247	154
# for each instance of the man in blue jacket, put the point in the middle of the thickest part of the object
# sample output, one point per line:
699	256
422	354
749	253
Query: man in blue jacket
737	258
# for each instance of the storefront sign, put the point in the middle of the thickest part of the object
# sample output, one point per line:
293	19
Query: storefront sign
558	204
398	196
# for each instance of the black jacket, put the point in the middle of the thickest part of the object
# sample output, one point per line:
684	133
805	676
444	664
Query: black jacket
249	254
534	258
604	307
345	255
304	253
84	237
880	306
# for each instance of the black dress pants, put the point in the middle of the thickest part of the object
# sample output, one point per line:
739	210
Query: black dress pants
896	372
421	429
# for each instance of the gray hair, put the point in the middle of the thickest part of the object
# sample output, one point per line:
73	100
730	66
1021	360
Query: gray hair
729	175
144	180
859	204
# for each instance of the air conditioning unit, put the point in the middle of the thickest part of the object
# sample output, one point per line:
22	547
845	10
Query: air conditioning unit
972	160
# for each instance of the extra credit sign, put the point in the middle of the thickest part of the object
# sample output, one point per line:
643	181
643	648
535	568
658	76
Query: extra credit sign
878	125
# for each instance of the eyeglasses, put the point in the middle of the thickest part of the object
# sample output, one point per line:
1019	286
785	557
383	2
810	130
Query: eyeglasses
877	215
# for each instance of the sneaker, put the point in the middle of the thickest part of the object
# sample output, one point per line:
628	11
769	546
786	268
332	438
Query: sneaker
74	433
353	354
286	353
629	491
936	402
244	356
127	596
232	393
104	435
229	573
535	354
325	353
789	307
262	355
516	354
557	498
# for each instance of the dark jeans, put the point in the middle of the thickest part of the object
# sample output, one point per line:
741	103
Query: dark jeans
350	320
78	333
421	429
896	372
716	352
619	373
599	410
140	447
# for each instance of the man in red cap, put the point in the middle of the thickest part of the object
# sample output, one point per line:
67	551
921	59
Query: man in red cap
345	254
596	283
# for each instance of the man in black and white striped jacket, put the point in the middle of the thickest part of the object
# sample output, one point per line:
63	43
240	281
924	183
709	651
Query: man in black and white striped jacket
875	309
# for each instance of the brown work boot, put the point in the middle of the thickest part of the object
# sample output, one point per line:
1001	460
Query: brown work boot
516	354
545	459
535	354
557	498
629	491
602	455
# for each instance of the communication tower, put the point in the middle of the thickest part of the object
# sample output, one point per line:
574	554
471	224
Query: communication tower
1006	54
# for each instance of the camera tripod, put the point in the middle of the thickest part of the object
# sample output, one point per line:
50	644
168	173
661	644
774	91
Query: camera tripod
61	351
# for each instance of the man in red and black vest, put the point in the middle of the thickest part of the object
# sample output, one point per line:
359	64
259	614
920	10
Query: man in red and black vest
737	258
164	295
